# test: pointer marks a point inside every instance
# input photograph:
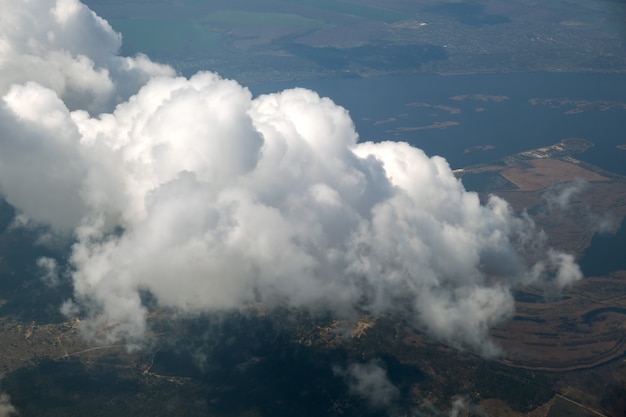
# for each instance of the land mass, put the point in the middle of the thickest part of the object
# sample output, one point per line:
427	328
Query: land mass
272	40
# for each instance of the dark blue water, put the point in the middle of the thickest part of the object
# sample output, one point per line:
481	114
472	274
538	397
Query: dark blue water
510	126
606	254
486	182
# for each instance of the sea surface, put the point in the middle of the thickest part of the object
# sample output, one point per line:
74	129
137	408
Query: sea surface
401	108
607	253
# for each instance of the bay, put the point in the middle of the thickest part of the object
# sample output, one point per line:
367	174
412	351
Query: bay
605	254
494	119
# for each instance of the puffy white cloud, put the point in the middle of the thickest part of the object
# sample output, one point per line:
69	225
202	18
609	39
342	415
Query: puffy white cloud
41	168
64	46
210	199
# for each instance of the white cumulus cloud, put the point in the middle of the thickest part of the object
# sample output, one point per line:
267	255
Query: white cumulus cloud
64	46
210	199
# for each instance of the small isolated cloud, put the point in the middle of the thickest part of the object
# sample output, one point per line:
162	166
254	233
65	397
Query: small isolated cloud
458	405
209	199
560	196
566	270
369	381
49	270
603	223
461	406
6	408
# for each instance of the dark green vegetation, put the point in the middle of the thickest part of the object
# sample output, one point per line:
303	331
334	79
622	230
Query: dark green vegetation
71	388
231	365
260	363
240	364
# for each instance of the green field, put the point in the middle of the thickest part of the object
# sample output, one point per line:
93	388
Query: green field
170	37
